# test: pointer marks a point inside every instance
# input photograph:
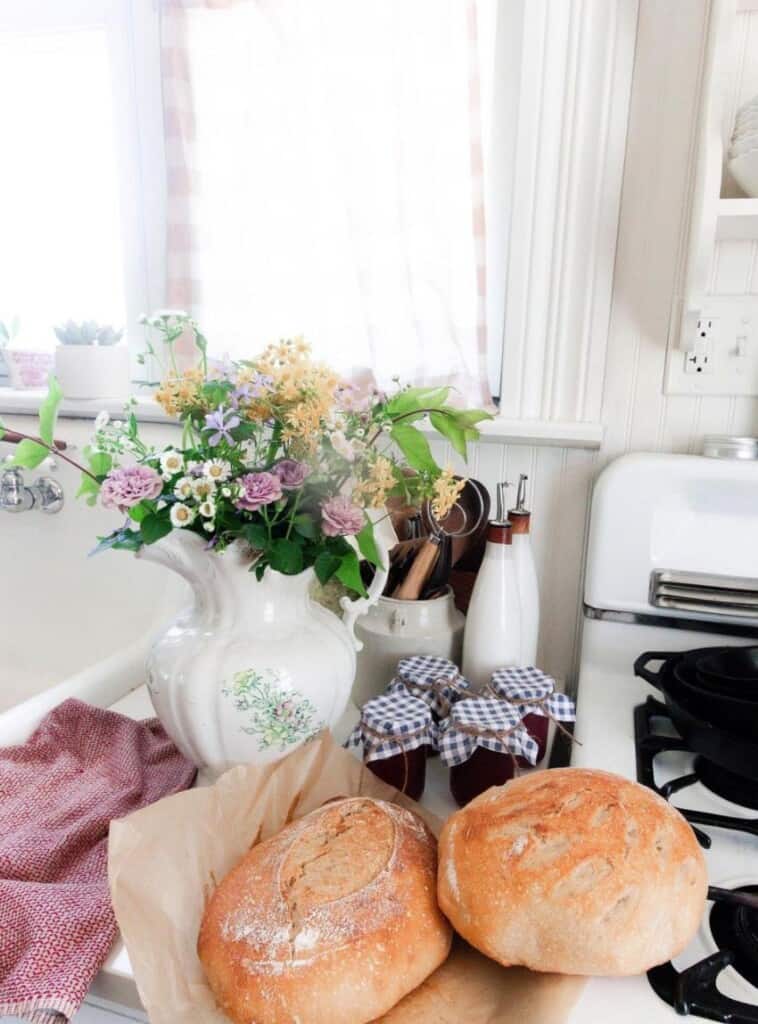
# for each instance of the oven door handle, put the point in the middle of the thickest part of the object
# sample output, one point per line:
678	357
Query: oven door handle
641	669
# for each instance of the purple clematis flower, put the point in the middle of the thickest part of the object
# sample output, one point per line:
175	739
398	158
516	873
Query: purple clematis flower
221	421
253	389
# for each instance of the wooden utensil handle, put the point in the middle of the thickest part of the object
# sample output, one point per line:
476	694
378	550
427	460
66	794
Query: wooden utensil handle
419	572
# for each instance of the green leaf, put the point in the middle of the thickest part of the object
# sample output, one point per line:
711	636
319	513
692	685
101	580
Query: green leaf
414	399
256	535
88	489
367	545
155	526
29	454
138	513
349	573
470	417
447	426
48	411
325	566
286	556
100	462
414	447
306	526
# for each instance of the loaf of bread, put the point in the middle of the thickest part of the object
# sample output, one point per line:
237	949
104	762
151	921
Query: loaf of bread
572	871
331	921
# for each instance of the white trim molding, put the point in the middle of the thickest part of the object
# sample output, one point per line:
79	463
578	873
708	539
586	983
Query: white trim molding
554	433
574	83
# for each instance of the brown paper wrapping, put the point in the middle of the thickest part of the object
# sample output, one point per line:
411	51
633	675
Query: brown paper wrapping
165	860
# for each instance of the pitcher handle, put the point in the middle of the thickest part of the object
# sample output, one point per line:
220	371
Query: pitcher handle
385	537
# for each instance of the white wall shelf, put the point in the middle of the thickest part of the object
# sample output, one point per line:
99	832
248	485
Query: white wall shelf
737	219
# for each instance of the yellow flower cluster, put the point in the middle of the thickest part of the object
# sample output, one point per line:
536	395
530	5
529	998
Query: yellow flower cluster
373	490
446	492
176	393
303	392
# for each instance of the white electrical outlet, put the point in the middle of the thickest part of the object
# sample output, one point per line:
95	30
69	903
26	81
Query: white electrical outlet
715	351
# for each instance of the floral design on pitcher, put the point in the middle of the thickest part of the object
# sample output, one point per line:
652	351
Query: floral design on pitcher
278	717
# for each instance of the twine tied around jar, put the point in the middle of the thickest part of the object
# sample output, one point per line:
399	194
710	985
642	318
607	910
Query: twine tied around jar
484	722
532	691
432	679
391	725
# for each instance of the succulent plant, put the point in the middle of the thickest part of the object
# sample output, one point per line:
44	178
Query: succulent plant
88	332
9	331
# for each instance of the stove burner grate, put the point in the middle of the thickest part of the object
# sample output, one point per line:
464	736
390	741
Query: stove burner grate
735	929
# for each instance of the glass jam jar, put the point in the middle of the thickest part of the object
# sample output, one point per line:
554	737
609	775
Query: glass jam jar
396	730
480	741
432	679
532	693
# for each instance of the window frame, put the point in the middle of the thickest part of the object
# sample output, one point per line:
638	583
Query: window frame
133	34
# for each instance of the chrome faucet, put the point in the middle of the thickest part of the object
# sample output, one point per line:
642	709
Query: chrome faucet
44	494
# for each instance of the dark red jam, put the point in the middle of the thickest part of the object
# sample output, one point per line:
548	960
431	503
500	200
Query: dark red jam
483	769
405	771
537	727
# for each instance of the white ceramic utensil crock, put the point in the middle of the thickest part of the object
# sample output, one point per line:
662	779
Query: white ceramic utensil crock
394	629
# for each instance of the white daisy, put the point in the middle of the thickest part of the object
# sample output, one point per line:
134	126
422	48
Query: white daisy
203	488
183	487
247	453
181	514
102	419
217	470
172	462
208	509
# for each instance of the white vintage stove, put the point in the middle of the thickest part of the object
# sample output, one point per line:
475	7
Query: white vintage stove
672	565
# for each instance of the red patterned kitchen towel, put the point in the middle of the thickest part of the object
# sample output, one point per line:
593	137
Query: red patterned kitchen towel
59	792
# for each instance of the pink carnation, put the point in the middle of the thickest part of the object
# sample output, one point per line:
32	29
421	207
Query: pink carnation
126	487
341	518
257	490
291	473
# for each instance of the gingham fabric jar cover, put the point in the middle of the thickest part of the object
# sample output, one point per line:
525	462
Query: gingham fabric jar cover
394	723
432	679
484	722
532	692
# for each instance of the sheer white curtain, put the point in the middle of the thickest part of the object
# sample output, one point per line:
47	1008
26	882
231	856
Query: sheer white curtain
326	177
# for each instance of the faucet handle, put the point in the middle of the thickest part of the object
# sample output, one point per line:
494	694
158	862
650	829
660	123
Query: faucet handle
15	496
48	494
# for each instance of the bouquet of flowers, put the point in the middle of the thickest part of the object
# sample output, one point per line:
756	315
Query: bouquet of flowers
277	451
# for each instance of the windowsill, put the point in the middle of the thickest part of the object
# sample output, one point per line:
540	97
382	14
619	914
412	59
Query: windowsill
499	430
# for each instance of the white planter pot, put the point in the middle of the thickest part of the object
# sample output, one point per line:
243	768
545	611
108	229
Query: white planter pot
92	371
254	668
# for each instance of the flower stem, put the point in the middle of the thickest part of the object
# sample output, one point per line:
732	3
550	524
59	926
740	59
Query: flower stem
58	454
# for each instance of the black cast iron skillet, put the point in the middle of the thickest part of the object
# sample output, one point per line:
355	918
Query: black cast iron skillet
735	714
737	753
732	670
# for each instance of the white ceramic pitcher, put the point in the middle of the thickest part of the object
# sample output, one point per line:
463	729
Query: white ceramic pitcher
254	668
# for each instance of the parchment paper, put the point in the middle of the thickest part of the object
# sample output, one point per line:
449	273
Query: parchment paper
165	860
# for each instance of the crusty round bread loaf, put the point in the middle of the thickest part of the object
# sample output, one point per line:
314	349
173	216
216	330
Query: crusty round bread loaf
573	871
332	920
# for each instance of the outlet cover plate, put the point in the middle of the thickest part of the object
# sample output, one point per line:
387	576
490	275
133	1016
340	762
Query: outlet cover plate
735	317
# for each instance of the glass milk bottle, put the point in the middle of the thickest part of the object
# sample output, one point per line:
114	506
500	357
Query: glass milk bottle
492	636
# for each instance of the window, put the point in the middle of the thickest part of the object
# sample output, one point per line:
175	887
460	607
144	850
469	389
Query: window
73	205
